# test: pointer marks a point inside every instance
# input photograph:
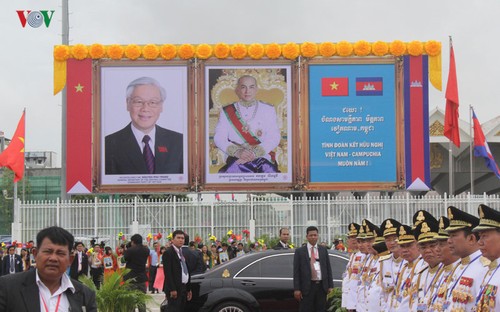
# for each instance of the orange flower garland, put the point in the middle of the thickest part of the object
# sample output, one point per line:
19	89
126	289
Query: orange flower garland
203	51
432	47
256	51
79	51
61	53
273	51
186	51
150	51
133	51
380	48
168	51
308	49
397	48
239	51
115	51
362	48
97	51
415	48
344	48
222	50
327	49
291	50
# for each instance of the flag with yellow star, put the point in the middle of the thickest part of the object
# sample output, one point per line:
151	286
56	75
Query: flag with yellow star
13	156
338	86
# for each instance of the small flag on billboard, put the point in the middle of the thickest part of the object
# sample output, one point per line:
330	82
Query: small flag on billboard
337	86
369	86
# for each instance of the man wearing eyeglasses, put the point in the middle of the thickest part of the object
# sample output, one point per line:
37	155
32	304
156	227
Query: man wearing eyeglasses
143	147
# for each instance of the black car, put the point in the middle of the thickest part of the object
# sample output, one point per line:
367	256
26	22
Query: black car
261	281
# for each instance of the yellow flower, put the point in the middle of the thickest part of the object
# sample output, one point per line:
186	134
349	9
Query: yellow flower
327	49
380	48
256	51
239	51
133	51
291	50
344	48
273	51
186	51
397	48
170	236
168	51
97	51
79	51
204	51
308	49
213	238
61	52
230	232
362	48
115	51
222	50
432	47
150	51
415	48
91	250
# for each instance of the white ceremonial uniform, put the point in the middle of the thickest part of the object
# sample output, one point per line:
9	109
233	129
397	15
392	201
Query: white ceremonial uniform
438	297
345	280
388	273
350	292
363	282
261	120
465	283
425	283
405	285
373	289
489	296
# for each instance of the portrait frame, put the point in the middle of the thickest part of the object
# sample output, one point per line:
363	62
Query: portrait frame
397	122
277	87
111	79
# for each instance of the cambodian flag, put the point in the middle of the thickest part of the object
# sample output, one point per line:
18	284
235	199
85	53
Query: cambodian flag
481	148
369	86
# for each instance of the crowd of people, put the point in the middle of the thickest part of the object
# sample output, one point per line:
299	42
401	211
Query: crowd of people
448	263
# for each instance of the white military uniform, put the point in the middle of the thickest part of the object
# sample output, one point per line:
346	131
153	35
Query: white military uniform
425	284
405	285
373	289
389	273
438	297
466	283
346	279
489	296
261	120
349	293
361	304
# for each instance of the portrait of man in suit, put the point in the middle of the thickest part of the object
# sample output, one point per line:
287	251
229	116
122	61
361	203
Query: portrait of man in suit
142	146
80	264
312	274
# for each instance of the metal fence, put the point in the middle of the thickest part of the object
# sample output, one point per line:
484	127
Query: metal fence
262	215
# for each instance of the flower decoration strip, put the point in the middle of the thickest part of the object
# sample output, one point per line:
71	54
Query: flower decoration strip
432	48
115	51
273	51
203	51
168	51
344	48
397	48
150	51
415	48
256	51
222	50
61	53
133	51
291	50
97	51
238	51
380	48
186	51
362	48
327	49
79	51
308	49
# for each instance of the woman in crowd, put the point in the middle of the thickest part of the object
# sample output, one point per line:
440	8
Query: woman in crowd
160	276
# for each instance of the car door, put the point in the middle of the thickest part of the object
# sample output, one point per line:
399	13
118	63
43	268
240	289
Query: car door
270	281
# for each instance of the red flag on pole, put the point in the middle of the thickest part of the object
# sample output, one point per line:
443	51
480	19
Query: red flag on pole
13	156
451	127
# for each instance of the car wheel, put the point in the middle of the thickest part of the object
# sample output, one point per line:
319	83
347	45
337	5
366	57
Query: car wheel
231	307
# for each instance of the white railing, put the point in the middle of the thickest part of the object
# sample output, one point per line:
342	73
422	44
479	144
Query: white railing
104	219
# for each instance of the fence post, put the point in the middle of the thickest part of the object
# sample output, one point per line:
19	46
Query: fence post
408	219
445	204
175	213
212	218
95	218
58	216
292	225
368	207
329	217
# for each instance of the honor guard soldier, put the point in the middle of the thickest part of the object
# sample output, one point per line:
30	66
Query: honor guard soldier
390	267
373	291
426	232
367	240
349	283
489	244
402	293
465	284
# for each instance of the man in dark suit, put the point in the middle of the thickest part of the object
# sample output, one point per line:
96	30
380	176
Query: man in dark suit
136	257
177	285
284	238
312	274
48	284
80	264
12	262
143	147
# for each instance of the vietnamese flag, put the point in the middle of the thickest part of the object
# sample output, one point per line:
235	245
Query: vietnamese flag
13	156
338	86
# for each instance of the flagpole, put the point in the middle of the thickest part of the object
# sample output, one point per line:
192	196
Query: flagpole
450	155
470	151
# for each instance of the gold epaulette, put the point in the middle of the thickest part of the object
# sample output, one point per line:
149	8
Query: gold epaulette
422	270
385	257
485	261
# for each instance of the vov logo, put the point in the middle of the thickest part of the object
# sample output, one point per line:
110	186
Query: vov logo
35	19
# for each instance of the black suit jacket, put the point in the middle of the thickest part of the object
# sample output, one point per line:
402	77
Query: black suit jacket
124	156
173	271
136	258
19	293
279	246
6	264
302	269
73	270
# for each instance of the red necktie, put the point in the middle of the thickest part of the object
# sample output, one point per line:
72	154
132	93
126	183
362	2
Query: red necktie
149	158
